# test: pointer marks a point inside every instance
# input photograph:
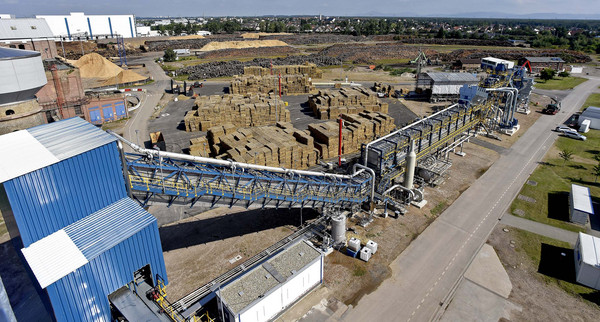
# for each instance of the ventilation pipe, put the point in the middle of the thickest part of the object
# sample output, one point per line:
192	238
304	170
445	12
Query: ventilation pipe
411	162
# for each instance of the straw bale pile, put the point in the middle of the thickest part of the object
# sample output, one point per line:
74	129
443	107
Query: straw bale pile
329	104
217	45
307	68
240	110
358	128
290	84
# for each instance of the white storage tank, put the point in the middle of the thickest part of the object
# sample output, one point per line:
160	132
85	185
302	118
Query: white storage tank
587	260
354	244
22	75
372	246
365	254
338	229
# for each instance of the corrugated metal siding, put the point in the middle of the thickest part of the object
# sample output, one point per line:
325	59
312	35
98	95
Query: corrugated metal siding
70	137
107	227
48	199
83	294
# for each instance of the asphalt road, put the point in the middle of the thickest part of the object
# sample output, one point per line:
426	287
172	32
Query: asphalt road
426	273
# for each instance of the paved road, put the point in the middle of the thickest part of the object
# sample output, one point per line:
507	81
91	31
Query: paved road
426	273
149	100
540	228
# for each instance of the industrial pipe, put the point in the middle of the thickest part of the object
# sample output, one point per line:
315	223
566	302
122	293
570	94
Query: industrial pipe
365	168
402	129
239	164
410	192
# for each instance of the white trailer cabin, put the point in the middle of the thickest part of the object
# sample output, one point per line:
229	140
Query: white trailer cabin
268	289
580	204
587	261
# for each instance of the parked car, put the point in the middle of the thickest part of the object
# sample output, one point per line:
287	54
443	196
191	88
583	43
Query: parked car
564	128
575	135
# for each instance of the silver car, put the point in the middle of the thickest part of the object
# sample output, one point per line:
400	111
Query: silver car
575	135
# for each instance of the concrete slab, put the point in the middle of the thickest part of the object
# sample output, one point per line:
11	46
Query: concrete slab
488	272
474	303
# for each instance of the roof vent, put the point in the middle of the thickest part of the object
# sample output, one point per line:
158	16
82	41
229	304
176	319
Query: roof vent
240	293
301	253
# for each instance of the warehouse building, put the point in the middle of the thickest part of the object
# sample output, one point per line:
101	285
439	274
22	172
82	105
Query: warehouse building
268	289
591	113
68	209
539	63
444	86
78	24
587	260
28	34
496	64
467	64
580	204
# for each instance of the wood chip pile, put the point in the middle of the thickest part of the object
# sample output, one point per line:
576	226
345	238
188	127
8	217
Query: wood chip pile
239	110
358	128
308	69
290	84
329	104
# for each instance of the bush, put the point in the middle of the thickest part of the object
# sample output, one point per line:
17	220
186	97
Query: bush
170	55
547	74
564	74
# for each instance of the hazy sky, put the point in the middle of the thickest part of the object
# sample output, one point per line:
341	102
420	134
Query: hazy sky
28	8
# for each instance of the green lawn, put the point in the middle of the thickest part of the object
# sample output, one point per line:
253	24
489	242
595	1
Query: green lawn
554	263
592	100
559	83
554	178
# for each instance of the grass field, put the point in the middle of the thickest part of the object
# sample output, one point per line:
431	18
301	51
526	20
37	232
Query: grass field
592	100
546	253
554	178
559	83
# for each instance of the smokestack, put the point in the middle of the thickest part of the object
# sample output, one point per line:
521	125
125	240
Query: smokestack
411	162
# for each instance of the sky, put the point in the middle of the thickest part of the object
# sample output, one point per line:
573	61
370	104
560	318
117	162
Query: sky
150	8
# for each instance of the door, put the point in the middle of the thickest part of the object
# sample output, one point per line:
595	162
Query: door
108	114
95	117
120	108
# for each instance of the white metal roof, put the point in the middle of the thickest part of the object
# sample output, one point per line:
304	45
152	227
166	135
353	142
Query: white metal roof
23	28
590	249
581	199
21	153
28	150
53	257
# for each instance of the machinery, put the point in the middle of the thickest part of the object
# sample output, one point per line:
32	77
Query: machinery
553	107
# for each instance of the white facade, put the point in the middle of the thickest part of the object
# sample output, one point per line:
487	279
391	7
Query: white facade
591	113
79	24
587	260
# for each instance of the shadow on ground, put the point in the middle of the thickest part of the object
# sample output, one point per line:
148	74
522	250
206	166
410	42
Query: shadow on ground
201	231
558	205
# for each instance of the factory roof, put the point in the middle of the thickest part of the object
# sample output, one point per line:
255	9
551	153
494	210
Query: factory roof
255	284
591	112
452	77
57	255
24	28
11	53
581	199
545	59
28	150
590	249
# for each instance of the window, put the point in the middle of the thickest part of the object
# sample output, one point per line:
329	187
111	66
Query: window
21	46
10	112
78	109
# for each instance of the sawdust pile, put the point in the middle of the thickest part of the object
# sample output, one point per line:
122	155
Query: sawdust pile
256	35
186	37
216	45
95	66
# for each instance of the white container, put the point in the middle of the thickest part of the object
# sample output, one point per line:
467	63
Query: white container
365	254
354	244
585	126
372	246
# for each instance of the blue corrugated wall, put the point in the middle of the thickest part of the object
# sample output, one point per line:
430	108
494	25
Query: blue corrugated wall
83	294
48	199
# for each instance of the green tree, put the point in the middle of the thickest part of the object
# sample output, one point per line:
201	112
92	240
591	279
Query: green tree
169	55
441	33
566	155
596	172
547	74
564	74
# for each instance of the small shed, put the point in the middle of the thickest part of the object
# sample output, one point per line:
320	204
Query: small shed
269	288
580	204
587	261
445	86
591	113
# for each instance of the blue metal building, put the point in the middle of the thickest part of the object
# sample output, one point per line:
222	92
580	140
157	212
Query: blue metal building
83	237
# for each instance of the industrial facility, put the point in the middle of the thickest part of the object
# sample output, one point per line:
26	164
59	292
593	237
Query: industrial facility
78	24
